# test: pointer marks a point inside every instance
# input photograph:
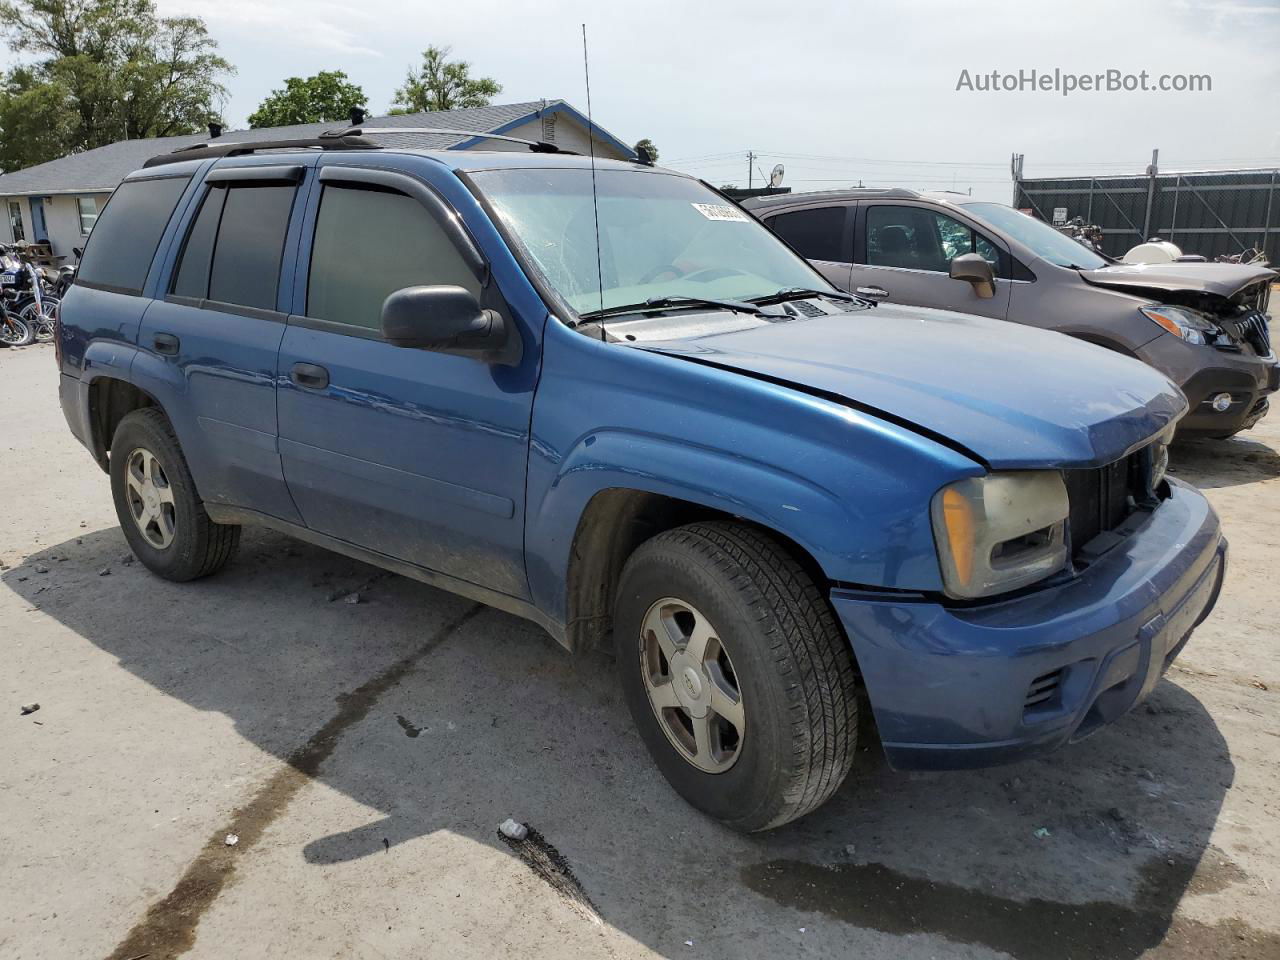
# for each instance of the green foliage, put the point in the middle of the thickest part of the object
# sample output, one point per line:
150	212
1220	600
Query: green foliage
326	96
443	84
647	144
97	71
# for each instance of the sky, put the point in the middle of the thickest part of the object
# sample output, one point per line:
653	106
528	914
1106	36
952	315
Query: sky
839	93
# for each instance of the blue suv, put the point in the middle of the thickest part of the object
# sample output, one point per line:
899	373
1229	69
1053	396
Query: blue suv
601	397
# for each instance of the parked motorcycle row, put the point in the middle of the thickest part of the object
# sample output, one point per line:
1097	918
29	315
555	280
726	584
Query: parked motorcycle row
30	296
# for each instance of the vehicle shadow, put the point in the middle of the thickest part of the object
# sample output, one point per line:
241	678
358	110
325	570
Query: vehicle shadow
1210	464
1086	853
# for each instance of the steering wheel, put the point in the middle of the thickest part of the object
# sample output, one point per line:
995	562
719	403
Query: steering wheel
659	270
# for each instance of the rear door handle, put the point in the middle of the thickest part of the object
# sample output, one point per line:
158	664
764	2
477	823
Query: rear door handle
875	293
310	375
166	343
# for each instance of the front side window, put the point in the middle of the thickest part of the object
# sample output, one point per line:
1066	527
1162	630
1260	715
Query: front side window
371	242
119	254
87	208
661	235
916	238
15	221
815	234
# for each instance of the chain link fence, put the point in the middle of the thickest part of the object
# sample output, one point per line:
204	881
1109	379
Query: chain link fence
1210	213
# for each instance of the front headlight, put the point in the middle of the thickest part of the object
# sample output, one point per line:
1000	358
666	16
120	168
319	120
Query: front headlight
1000	532
1191	325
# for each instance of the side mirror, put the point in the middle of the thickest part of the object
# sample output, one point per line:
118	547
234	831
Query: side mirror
448	319
976	270
78	251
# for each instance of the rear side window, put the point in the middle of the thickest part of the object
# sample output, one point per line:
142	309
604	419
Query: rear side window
234	247
371	242
127	233
816	234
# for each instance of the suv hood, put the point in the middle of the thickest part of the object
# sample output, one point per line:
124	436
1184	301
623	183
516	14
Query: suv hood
1010	395
1219	279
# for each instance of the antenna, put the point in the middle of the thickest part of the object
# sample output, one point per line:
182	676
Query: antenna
595	201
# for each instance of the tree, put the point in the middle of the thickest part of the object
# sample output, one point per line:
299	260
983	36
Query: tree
101	71
647	144
326	96
443	84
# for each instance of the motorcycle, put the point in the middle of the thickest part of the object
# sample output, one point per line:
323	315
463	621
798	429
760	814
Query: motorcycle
28	293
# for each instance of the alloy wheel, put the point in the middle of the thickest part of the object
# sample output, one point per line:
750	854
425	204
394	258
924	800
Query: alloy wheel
691	685
150	498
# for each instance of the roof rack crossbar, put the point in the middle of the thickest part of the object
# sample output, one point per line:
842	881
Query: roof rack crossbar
537	146
203	151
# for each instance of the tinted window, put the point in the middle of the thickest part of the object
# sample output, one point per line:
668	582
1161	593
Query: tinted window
250	244
817	234
128	232
370	243
920	239
192	279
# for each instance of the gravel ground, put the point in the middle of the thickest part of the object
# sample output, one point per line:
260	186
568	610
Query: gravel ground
363	754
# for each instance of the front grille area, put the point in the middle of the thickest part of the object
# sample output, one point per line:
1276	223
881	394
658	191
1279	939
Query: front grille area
1101	498
1255	332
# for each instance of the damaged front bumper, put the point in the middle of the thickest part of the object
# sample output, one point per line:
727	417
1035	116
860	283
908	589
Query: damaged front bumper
959	687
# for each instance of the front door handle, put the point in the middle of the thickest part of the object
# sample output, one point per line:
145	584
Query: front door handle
875	293
310	375
166	343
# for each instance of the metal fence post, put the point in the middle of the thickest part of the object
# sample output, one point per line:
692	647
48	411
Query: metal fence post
1152	172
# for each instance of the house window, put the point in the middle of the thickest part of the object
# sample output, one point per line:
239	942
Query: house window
88	209
15	221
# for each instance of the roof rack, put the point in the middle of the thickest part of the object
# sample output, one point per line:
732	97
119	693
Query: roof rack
203	151
351	138
537	146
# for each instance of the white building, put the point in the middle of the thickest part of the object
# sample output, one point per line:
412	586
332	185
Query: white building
59	201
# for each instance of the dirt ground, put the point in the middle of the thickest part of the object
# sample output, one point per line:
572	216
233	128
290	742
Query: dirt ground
363	755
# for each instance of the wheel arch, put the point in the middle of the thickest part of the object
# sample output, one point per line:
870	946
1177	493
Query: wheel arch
615	522
110	400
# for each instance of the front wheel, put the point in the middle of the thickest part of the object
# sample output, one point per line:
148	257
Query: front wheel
41	319
737	675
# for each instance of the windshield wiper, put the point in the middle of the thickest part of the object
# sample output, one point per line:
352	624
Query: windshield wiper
662	303
804	293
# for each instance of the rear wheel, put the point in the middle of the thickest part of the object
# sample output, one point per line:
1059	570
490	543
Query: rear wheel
739	679
13	332
160	512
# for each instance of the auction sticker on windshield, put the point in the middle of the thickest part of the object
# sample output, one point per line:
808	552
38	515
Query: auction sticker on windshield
720	211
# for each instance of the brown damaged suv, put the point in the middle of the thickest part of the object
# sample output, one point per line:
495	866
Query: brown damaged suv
1204	325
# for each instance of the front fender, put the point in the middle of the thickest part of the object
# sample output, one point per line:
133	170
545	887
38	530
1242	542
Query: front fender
851	490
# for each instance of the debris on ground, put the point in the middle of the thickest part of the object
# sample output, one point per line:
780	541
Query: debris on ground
104	572
351	598
231	840
1042	833
40	568
548	863
850	850
29	708
513	830
127	559
1259	684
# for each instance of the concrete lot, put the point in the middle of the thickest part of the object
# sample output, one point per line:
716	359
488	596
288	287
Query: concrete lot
364	755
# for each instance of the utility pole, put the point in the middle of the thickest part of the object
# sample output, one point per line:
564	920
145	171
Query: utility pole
1153	172
751	160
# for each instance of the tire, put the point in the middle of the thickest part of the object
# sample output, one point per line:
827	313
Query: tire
41	327
774	642
172	536
14	333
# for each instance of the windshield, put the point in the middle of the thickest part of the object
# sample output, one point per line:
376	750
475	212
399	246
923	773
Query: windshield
1037	236
661	235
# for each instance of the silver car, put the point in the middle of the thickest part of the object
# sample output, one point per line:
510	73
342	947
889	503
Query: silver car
1204	325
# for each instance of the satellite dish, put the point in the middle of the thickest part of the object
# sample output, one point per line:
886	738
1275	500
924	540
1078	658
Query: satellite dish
775	178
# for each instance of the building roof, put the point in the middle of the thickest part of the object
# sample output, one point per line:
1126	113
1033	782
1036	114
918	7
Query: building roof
101	169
